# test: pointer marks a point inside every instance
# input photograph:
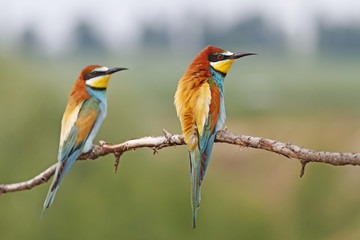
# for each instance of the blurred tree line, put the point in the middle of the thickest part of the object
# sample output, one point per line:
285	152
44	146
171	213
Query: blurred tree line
253	32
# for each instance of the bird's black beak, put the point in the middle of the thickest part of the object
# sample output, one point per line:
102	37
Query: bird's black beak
241	54
114	70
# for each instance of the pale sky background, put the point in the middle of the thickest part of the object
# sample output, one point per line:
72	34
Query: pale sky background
119	23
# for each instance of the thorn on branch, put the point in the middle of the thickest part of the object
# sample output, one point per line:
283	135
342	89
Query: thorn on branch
303	165
117	160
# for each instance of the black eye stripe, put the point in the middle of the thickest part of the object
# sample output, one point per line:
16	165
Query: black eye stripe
217	57
87	76
93	74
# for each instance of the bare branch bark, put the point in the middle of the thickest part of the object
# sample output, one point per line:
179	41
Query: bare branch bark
156	143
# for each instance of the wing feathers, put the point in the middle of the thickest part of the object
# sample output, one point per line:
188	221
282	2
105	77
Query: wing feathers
87	118
192	105
214	107
78	125
69	118
201	106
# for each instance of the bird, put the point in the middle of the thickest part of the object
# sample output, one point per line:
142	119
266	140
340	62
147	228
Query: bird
84	113
199	102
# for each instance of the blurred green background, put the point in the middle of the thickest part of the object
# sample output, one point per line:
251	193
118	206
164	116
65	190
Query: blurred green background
309	99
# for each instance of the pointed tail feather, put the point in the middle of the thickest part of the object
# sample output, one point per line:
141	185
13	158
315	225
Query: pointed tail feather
199	160
54	187
206	153
61	170
195	165
49	199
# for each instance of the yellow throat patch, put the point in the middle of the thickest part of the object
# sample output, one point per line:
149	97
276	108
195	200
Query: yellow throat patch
222	66
98	82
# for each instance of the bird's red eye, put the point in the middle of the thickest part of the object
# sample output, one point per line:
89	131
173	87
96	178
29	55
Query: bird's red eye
220	57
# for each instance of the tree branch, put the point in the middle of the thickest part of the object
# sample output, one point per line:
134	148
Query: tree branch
156	143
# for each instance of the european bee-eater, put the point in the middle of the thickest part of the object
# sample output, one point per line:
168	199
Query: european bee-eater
199	101
84	113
